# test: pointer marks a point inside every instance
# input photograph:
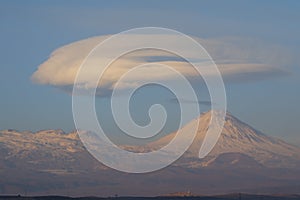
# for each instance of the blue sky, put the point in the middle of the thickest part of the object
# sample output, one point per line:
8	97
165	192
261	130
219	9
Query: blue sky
31	30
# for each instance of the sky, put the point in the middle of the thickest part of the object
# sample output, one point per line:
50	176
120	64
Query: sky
265	32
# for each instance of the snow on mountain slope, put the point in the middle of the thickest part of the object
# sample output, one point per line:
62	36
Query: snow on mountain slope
48	148
238	137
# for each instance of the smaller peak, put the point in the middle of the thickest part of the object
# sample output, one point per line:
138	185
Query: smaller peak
72	135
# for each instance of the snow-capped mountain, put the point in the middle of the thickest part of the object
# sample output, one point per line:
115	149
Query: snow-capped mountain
54	162
238	137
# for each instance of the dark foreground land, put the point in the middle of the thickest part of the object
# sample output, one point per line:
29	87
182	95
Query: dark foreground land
218	197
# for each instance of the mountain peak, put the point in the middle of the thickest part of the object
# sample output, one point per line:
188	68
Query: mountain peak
239	137
219	113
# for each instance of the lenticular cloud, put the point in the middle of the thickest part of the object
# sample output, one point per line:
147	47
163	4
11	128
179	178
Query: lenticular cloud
61	67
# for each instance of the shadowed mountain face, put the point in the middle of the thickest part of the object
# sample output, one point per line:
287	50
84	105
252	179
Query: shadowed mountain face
243	160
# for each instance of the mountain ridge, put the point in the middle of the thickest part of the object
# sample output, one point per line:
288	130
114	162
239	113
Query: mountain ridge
55	162
236	137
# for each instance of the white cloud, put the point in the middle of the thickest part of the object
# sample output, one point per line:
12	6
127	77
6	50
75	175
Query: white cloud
232	58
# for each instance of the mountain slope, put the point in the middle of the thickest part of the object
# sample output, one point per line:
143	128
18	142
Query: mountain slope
48	150
238	137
